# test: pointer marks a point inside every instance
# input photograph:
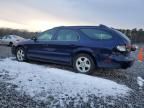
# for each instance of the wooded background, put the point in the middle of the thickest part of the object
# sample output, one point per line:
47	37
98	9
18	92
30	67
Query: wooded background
136	35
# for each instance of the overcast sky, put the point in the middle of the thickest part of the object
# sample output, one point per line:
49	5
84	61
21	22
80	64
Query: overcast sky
44	14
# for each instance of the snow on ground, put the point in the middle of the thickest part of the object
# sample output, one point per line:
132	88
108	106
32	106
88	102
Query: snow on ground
40	82
140	82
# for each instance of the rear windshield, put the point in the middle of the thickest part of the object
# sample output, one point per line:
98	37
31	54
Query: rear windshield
97	34
122	34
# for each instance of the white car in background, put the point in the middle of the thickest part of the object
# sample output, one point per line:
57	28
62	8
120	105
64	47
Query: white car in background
10	40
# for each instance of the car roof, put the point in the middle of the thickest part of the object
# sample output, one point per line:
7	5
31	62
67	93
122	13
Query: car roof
82	27
12	36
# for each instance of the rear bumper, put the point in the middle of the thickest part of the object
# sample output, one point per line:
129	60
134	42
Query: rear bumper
124	61
117	62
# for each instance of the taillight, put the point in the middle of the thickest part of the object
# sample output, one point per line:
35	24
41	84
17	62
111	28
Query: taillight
121	48
134	47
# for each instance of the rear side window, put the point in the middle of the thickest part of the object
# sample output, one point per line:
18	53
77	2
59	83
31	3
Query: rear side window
67	35
97	34
5	37
14	37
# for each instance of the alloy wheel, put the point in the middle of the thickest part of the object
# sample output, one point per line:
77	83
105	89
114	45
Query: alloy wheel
20	55
83	64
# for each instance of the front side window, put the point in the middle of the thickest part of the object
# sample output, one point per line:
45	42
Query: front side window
9	37
67	35
45	36
97	34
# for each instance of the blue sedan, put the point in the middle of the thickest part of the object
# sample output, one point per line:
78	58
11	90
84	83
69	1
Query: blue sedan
83	47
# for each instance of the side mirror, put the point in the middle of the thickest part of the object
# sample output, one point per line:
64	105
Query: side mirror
34	38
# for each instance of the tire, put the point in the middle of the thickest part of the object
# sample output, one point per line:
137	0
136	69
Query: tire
10	44
21	54
83	63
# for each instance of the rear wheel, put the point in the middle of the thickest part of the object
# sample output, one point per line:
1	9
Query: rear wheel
83	63
20	54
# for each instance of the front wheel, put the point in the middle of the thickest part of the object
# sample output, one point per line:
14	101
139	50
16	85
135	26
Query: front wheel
10	44
83	63
20	54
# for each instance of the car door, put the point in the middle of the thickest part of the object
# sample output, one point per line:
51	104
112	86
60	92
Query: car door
8	40
39	48
66	41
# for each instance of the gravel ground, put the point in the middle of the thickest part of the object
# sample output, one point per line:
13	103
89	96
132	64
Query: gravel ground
5	52
10	98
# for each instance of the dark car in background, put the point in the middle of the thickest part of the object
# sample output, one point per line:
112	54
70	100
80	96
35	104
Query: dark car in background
83	47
